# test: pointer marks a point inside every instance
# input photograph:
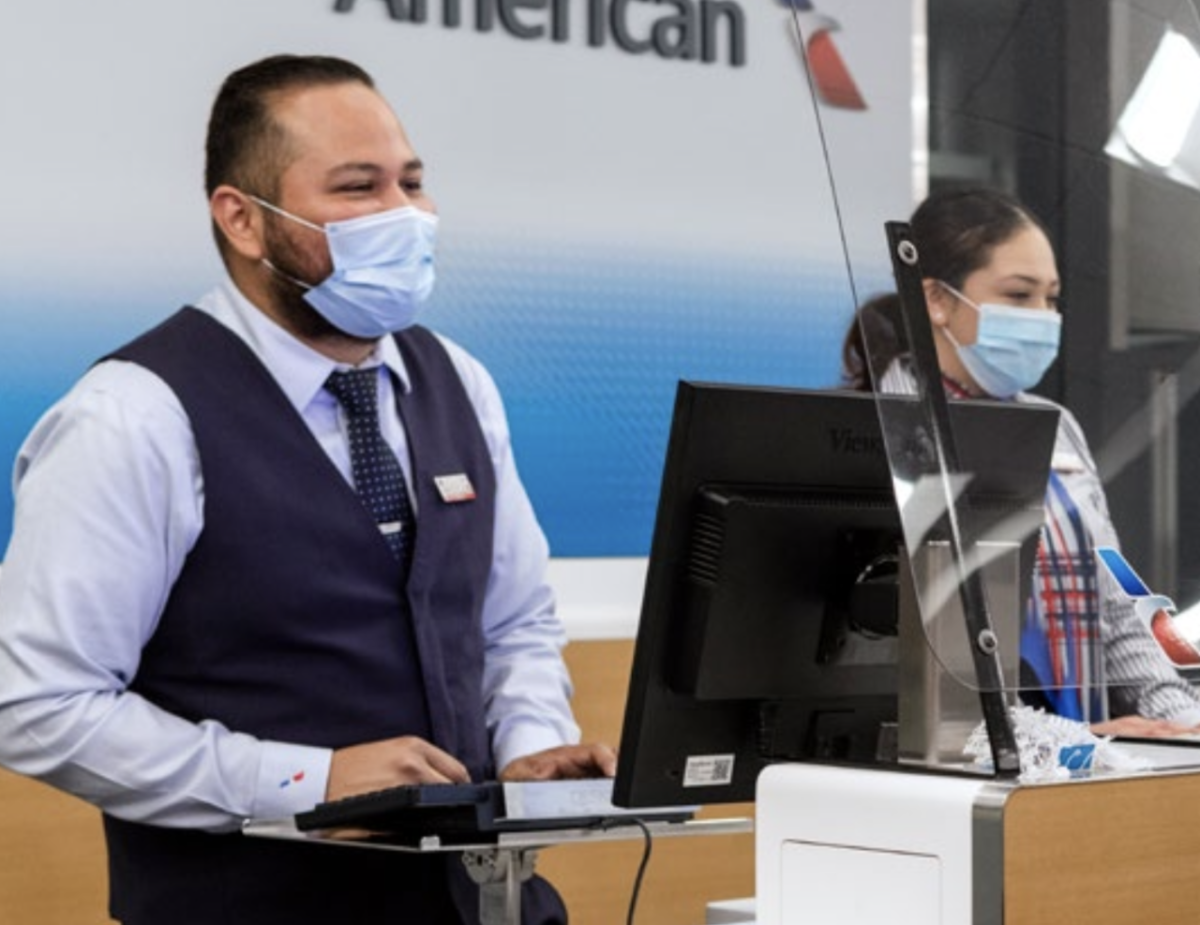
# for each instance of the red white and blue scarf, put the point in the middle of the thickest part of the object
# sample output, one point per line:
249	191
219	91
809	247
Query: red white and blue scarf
1060	633
1060	638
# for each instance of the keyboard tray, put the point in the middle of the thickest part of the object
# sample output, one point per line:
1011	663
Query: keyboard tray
456	814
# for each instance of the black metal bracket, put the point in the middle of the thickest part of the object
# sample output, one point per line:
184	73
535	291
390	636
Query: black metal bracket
934	417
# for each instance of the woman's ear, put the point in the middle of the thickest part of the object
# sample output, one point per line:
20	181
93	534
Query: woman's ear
935	300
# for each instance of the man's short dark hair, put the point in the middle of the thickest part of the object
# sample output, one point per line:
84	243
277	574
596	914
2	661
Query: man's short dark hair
246	147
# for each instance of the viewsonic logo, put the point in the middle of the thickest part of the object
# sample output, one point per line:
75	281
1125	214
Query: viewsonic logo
835	86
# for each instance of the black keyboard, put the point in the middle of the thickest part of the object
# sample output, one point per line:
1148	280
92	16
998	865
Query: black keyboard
413	811
473	812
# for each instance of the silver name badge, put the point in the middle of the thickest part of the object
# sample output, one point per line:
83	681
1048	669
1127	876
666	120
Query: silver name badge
454	489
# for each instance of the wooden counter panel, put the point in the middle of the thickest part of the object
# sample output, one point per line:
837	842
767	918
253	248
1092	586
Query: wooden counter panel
52	860
1104	852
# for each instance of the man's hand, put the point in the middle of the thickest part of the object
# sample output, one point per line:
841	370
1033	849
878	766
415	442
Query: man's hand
389	763
596	760
1141	727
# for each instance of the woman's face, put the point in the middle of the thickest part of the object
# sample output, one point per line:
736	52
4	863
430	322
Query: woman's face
1022	273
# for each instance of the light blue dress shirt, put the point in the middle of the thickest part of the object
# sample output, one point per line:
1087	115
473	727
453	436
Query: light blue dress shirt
109	501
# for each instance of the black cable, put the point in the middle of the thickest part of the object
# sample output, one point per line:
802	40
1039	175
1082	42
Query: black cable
614	822
637	881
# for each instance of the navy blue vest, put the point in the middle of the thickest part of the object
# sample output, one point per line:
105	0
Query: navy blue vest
288	622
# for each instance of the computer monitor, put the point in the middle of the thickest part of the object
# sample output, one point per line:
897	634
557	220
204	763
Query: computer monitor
768	629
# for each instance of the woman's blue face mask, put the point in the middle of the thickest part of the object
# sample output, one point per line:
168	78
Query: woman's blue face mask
1013	346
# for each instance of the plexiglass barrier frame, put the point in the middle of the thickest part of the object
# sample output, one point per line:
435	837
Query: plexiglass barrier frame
1000	604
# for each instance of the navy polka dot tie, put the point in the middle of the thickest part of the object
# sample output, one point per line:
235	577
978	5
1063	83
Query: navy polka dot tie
378	478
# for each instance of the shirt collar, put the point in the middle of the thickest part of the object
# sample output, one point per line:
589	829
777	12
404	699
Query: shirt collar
954	388
299	370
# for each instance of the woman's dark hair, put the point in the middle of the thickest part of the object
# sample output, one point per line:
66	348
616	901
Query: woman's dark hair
955	233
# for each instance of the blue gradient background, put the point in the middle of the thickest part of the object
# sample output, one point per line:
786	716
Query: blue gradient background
585	342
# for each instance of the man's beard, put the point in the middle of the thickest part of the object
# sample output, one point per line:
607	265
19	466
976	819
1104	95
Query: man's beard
287	296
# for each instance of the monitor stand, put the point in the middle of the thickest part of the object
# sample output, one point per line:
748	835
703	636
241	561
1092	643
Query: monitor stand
500	873
939	707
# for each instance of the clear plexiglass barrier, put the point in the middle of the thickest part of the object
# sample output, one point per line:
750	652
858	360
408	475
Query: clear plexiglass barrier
1028	325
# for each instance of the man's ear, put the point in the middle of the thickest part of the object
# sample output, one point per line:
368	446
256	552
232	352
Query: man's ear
240	220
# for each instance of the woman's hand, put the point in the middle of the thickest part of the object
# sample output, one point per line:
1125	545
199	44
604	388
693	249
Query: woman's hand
1141	727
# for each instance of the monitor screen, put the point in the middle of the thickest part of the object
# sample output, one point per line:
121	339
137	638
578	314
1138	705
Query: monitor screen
768	629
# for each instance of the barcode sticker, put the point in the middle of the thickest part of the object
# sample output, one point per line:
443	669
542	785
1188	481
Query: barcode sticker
708	771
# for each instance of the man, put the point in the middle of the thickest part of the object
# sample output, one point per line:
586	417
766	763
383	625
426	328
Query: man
201	622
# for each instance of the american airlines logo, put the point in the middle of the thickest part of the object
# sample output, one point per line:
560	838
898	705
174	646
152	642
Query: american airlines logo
707	31
834	84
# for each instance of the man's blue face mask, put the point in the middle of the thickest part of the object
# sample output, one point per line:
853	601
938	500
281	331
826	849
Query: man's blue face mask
1013	346
382	270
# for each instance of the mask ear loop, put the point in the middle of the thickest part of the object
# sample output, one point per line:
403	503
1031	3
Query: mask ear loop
941	322
941	325
958	295
295	218
291	279
285	213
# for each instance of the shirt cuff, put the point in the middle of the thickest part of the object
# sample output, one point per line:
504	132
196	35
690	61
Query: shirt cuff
291	779
1188	717
528	739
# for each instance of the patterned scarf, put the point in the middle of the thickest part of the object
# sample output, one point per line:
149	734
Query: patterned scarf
1060	634
1060	638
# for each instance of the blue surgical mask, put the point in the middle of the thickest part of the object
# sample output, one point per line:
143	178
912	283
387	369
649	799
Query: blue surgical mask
382	270
1013	346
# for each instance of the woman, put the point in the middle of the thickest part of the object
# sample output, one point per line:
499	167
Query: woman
991	287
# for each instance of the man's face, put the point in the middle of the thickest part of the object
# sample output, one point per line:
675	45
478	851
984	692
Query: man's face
350	158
